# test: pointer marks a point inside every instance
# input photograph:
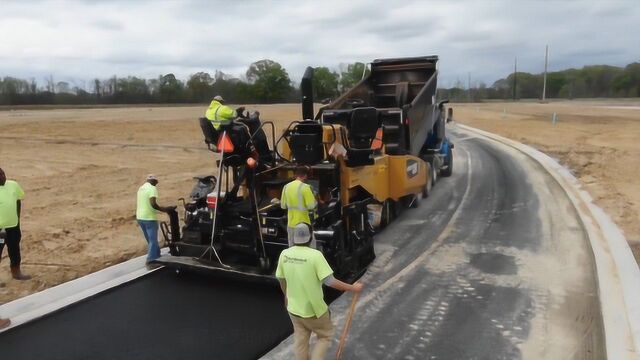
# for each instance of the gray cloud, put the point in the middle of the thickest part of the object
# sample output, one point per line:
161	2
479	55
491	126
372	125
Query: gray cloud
86	39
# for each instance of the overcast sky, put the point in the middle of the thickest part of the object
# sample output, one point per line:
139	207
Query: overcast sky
80	40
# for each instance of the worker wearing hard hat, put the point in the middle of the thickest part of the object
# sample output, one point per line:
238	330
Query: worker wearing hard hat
219	114
301	272
298	200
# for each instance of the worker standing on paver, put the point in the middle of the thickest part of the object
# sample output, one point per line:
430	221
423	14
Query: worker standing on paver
219	114
301	272
298	200
11	195
147	216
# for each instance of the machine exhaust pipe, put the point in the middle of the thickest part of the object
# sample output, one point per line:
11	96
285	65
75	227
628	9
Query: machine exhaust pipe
306	88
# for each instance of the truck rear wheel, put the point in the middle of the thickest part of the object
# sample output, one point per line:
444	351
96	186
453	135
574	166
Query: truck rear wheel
448	162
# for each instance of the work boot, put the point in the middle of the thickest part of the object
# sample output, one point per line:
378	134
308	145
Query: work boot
4	323
18	275
152	265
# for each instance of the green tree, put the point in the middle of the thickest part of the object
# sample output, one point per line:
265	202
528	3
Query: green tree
270	81
555	82
63	87
351	76
627	83
200	86
131	90
599	79
97	87
171	89
325	83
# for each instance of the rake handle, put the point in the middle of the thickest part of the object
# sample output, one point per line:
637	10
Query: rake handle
347	325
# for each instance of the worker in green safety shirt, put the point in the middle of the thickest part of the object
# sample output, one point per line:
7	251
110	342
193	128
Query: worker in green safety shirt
298	199
146	215
301	272
11	195
219	114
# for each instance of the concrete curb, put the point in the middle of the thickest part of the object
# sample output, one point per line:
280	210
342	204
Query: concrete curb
37	305
617	272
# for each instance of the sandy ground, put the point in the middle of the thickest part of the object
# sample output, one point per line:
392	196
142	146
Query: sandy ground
81	168
598	140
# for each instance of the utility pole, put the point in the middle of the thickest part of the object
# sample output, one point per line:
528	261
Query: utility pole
469	86
544	81
515	82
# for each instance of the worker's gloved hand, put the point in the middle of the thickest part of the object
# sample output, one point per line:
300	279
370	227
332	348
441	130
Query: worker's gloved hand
240	111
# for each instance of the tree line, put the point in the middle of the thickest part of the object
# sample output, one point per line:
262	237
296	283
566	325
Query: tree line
266	81
595	81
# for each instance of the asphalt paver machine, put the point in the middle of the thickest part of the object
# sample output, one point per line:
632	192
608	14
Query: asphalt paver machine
376	149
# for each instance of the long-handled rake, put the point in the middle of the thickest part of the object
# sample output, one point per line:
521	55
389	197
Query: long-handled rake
347	325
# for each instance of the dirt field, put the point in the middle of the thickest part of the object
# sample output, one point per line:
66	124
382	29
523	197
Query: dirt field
81	168
598	140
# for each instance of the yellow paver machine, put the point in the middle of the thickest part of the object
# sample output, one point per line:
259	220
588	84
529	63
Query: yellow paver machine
373	151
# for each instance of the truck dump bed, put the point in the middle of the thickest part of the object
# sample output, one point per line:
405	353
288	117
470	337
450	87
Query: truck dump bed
404	91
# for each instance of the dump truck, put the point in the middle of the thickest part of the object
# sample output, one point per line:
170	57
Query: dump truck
374	151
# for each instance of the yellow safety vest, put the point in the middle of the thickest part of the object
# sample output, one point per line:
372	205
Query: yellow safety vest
298	199
219	114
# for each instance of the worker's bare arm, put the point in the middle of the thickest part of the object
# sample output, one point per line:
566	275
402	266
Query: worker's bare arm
343	286
154	204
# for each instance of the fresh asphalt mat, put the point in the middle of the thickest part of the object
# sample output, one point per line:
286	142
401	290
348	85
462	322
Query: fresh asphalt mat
160	316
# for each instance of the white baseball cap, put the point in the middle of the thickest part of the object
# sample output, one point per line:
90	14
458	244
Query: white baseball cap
218	98
151	177
301	234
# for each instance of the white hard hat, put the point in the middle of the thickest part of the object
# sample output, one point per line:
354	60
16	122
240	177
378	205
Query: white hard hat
218	98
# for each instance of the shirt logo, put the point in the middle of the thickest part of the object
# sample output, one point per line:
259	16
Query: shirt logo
293	260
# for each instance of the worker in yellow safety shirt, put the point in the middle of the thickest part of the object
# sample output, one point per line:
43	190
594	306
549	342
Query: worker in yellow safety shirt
219	113
298	200
301	272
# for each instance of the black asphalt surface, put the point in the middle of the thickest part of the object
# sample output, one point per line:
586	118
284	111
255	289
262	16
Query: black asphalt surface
160	316
447	314
444	286
457	278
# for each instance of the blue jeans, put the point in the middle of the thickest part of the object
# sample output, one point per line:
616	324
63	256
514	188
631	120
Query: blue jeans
150	231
